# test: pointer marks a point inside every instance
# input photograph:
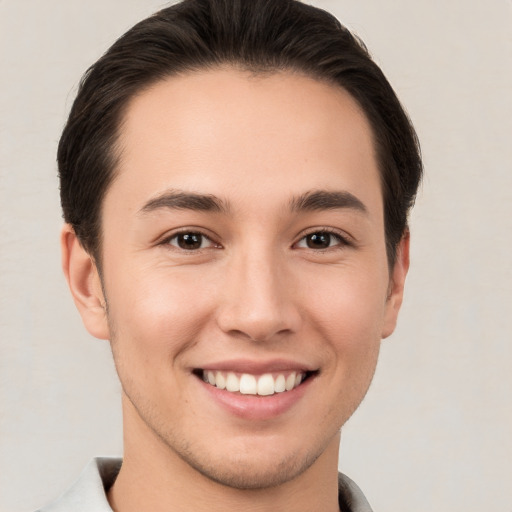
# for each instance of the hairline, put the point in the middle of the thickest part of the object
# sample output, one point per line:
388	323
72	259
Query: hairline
115	151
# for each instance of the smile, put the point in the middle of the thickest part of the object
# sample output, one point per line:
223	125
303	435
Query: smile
249	384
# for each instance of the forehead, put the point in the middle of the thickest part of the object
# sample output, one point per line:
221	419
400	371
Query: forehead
224	130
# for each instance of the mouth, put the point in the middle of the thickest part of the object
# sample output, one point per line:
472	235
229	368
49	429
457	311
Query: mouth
265	384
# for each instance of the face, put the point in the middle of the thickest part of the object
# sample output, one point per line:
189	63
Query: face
244	271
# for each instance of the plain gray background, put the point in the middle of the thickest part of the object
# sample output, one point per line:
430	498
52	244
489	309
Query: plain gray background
435	432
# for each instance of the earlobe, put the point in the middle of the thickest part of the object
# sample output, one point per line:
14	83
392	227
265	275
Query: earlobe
84	283
396	285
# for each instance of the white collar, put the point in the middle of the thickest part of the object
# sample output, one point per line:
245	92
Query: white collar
88	493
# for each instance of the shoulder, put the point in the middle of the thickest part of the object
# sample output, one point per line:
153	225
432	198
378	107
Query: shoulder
350	496
88	493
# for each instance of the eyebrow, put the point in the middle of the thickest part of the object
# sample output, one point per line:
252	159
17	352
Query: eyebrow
178	200
317	200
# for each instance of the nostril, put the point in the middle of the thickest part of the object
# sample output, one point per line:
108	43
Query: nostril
260	333
257	314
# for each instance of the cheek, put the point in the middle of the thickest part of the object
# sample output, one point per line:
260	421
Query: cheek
156	314
349	303
347	324
154	320
348	315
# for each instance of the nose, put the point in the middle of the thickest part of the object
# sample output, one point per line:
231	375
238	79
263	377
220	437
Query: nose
257	300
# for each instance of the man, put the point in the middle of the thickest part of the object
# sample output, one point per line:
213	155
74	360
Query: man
235	180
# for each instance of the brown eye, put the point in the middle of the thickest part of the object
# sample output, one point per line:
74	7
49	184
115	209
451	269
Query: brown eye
190	241
320	240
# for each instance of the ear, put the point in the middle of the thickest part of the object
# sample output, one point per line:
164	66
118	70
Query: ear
396	285
84	283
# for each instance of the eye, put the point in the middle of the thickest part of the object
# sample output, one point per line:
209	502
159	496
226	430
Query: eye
190	241
321	240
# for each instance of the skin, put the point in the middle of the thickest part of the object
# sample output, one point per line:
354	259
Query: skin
257	289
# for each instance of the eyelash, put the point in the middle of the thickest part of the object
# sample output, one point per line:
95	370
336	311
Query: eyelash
342	241
192	231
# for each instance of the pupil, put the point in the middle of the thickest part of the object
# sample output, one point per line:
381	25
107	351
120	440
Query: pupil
189	241
319	240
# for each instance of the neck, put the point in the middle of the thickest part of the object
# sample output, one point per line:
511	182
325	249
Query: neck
153	477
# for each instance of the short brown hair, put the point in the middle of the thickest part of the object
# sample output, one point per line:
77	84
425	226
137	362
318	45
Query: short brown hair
256	35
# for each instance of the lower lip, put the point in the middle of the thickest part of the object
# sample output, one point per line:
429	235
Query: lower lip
255	407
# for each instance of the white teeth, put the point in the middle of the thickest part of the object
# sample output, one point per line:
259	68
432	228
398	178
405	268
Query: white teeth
220	381
280	384
248	384
290	382
232	382
266	385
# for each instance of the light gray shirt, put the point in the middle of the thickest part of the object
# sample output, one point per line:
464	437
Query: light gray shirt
88	493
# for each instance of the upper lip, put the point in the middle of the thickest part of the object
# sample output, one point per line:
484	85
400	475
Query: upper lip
257	367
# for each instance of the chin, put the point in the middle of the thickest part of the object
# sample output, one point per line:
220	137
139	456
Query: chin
251	472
